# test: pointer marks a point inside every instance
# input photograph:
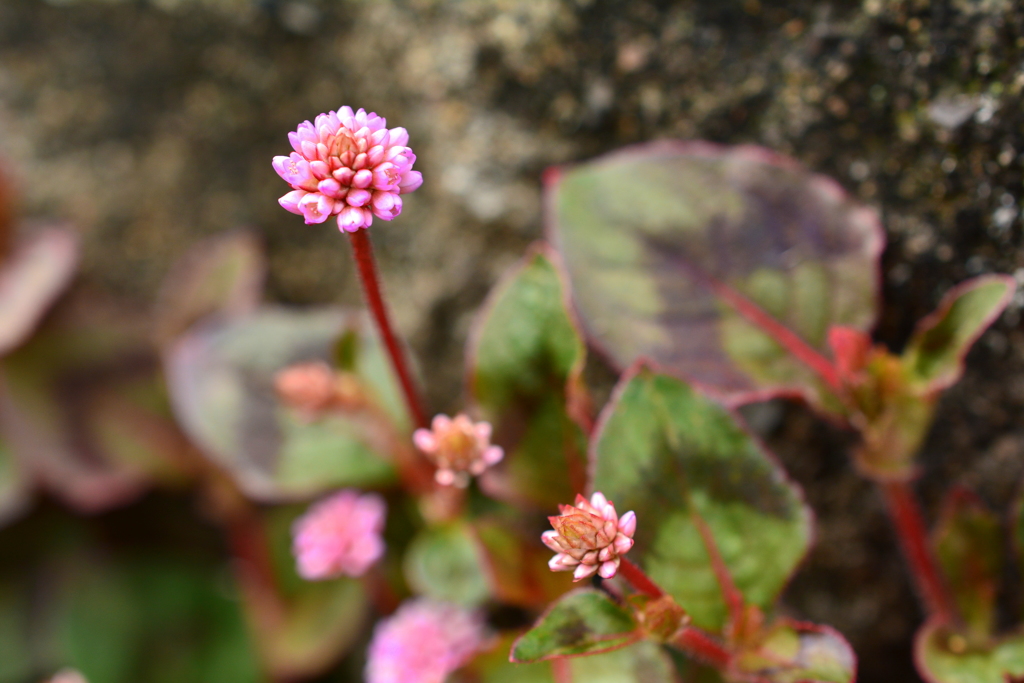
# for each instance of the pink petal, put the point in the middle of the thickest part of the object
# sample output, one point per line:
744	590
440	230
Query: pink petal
290	201
583	571
358	197
627	523
410	181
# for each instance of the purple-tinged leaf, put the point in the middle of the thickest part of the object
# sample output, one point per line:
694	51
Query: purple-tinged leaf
935	355
525	360
692	474
796	652
968	544
31	279
222	274
221	377
943	655
582	622
726	266
84	411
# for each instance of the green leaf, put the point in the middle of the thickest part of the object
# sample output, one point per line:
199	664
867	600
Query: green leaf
446	563
31	280
526	357
642	662
221	378
675	249
584	621
944	656
968	544
222	274
677	458
935	354
793	652
493	666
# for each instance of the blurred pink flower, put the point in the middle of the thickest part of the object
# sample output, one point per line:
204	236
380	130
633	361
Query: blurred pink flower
423	642
589	538
339	535
348	164
458	447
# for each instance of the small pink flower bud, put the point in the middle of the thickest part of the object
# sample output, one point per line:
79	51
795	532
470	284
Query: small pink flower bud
342	152
423	642
589	538
458	447
340	535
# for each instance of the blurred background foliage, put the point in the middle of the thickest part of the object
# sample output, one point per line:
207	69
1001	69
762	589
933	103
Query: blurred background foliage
147	125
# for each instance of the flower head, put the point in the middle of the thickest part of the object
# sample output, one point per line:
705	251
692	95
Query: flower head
348	164
339	535
458	447
589	537
423	642
314	387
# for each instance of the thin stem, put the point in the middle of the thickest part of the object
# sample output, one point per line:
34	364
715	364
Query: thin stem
561	670
640	581
906	516
362	250
698	644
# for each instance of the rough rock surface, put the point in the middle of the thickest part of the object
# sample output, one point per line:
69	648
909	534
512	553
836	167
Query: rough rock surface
151	123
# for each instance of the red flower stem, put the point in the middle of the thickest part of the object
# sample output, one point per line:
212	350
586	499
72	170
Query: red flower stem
640	581
561	670
362	250
910	528
699	645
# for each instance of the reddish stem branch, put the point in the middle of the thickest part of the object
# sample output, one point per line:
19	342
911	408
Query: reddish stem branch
699	645
789	340
561	670
640	581
906	515
362	250
733	596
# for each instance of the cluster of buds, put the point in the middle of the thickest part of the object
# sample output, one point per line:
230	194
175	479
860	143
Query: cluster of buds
423	642
458	447
340	535
347	164
589	538
313	387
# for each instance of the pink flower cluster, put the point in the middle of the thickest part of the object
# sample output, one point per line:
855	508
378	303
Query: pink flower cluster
340	535
348	164
458	447
589	538
423	642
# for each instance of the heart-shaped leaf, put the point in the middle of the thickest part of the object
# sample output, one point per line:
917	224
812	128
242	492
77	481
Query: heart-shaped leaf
724	265
935	354
945	656
793	652
968	543
692	474
526	357
31	279
446	563
221	378
582	622
222	274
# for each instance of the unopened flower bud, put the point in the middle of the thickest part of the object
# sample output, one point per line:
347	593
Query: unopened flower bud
589	538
